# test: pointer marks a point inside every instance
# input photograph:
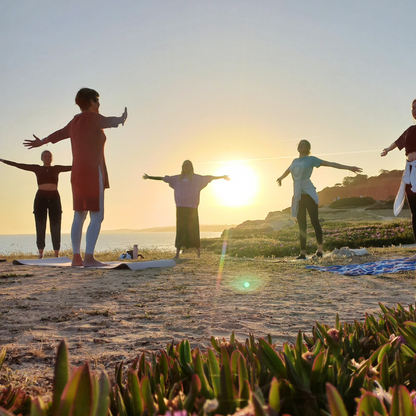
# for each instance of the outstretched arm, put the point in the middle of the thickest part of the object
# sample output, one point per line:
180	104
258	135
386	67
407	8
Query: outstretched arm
354	169
388	149
155	178
23	166
221	177
279	180
35	143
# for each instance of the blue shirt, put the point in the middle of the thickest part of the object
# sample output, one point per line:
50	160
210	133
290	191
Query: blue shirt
301	170
302	167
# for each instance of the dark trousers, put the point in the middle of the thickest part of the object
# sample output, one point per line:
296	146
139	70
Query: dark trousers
48	201
411	200
307	203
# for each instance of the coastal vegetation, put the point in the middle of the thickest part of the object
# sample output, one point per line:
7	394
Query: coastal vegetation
360	368
337	234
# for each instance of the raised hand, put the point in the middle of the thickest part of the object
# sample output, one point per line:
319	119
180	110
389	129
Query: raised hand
145	176
33	143
355	169
124	116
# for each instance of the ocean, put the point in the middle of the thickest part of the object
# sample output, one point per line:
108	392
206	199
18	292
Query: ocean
26	243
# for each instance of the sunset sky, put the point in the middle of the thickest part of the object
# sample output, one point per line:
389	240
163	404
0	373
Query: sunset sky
232	85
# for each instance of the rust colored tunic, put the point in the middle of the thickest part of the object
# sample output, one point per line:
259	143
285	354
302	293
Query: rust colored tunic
87	140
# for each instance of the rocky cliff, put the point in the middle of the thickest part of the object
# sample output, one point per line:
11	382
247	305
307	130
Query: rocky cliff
381	188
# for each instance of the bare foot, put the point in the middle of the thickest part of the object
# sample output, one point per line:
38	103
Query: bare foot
56	253
77	260
94	263
90	261
40	254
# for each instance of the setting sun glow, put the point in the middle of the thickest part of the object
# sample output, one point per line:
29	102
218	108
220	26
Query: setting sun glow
242	187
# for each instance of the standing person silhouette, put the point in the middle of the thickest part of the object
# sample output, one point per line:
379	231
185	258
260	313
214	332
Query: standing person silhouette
408	186
305	196
47	199
187	188
89	175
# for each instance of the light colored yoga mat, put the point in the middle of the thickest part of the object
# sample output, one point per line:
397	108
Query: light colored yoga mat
66	262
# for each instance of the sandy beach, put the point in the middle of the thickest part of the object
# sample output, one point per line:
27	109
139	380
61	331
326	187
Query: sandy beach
112	315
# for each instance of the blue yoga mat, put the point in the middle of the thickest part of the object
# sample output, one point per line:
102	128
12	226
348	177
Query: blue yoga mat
377	267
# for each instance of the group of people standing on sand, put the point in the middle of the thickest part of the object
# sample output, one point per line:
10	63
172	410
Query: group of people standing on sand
89	178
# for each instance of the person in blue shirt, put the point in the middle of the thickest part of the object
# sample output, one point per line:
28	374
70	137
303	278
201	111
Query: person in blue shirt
304	195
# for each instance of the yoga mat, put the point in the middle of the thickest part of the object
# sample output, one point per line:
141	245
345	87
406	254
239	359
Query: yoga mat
377	267
66	262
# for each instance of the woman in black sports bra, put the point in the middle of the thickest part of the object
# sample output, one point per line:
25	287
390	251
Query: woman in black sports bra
47	199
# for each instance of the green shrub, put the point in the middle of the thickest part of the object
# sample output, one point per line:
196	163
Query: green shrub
336	235
351	368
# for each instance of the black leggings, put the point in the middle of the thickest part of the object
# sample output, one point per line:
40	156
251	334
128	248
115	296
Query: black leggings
411	200
48	201
307	203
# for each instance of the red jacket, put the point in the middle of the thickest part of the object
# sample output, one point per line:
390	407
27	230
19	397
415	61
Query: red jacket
87	140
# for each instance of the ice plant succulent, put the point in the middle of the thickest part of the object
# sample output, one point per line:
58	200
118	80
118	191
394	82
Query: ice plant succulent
351	368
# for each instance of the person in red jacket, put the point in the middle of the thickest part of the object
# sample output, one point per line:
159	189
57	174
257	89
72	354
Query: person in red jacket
89	175
47	199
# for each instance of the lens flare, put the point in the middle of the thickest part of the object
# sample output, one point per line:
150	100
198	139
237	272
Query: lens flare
222	258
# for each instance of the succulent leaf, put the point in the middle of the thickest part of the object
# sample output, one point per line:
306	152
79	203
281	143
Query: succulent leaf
206	390
103	398
273	361
38	408
368	404
61	376
146	391
274	396
134	388
195	387
2	356
215	372
335	403
402	404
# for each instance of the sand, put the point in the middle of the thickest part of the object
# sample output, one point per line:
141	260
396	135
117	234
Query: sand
112	315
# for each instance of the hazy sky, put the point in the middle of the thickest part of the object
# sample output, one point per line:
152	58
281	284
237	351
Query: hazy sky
212	81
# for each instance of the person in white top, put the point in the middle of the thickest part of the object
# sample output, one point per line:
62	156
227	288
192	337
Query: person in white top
187	188
305	196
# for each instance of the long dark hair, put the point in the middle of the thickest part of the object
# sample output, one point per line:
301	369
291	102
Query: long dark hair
190	174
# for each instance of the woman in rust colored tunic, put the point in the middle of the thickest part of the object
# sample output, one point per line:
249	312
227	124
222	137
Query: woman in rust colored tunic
89	175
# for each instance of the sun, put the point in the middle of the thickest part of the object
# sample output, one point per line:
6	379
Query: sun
242	187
